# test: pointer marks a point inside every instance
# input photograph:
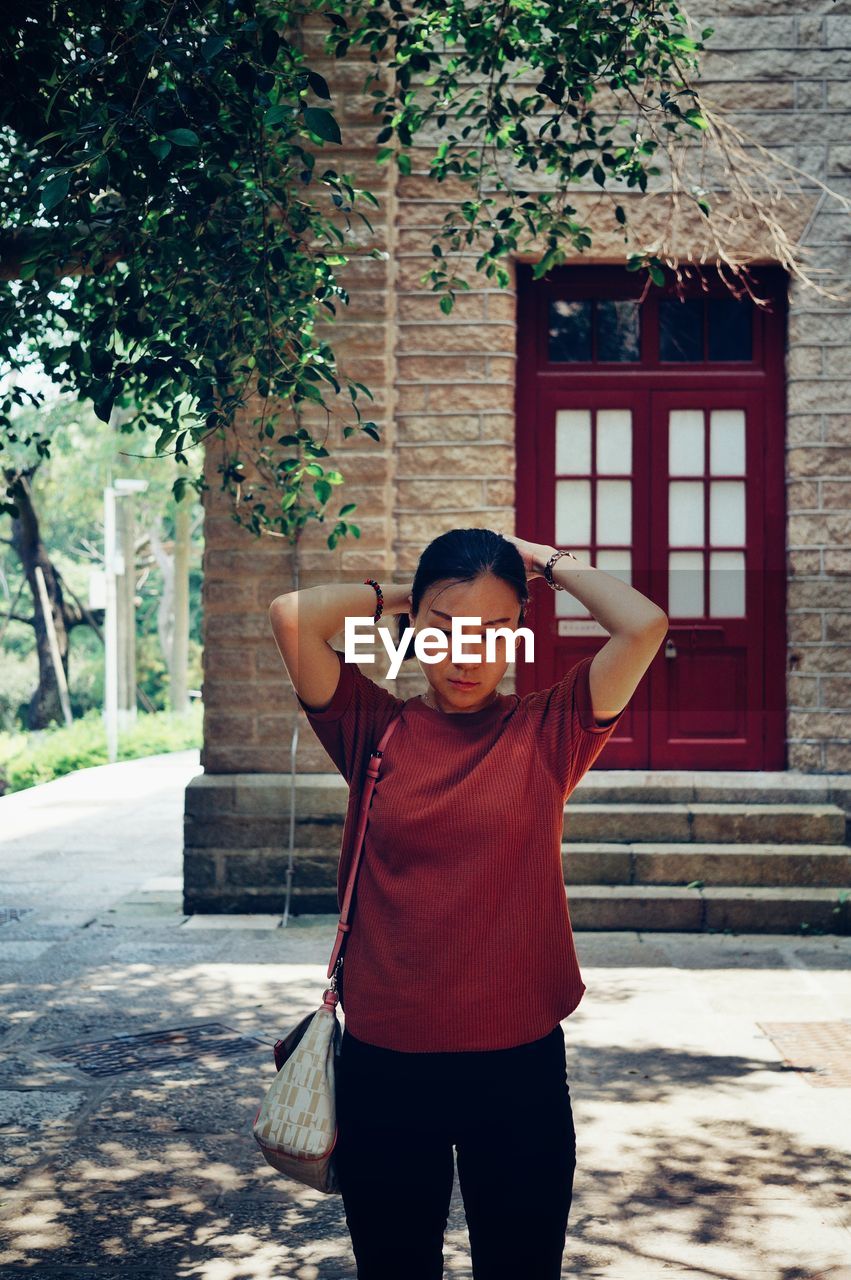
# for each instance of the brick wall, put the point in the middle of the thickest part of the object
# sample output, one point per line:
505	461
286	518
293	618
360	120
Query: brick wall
444	389
249	706
786	68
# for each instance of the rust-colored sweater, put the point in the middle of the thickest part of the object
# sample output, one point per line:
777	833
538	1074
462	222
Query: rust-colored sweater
461	936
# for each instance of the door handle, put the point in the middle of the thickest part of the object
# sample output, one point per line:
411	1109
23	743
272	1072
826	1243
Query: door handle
690	635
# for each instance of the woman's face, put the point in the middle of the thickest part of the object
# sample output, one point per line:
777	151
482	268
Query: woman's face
494	604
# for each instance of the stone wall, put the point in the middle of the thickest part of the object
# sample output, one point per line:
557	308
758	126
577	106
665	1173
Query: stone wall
783	69
444	389
802	61
445	399
249	707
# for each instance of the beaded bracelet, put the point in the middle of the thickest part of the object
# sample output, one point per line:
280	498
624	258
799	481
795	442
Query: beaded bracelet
548	569
370	582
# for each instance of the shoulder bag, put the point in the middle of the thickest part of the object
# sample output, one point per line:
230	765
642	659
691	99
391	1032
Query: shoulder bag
296	1125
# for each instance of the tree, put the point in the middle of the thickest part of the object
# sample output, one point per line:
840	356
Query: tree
27	542
60	529
174	239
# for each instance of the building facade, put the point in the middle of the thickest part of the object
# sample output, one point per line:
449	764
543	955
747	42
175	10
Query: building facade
701	447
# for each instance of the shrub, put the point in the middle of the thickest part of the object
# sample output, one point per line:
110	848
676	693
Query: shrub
27	759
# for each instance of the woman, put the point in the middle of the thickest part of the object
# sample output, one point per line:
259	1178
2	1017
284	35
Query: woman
460	965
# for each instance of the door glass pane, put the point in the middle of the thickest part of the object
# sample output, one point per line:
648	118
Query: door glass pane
685	442
618	332
569	330
685	513
685	584
573	441
681	329
614	511
730	328
727	442
727	584
727	513
614	442
573	512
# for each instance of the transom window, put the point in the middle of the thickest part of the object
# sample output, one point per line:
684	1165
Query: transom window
705	329
701	330
594	329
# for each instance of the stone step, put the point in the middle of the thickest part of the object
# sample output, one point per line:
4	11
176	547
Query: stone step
629	865
823	824
742	909
652	908
817	866
820	824
630	786
268	794
746	852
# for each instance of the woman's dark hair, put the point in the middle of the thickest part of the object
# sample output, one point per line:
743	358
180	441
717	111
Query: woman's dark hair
462	555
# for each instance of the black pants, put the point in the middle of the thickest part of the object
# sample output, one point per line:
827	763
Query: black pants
508	1114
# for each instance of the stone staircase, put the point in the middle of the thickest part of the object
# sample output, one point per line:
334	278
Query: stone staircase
743	852
750	853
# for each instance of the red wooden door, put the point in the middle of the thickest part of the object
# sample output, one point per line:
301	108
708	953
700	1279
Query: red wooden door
651	442
706	504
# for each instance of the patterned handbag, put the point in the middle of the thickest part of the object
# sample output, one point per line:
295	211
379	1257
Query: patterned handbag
296	1125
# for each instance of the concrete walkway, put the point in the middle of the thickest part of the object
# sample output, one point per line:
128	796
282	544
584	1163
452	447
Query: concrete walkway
702	1153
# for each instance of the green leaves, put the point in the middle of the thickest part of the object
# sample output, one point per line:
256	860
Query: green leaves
450	97
269	47
55	191
321	122
183	137
103	399
212	47
202	242
554	256
276	115
177	161
318	84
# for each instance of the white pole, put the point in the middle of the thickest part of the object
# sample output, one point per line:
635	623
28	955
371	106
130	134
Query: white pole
110	629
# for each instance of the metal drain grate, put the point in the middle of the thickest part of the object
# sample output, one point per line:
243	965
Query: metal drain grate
822	1050
13	913
152	1048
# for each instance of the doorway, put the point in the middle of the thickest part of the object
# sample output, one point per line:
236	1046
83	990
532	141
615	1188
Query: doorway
650	440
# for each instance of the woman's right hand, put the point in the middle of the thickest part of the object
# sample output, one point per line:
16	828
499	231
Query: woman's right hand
532	553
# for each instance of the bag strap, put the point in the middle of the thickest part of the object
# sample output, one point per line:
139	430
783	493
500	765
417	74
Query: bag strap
372	768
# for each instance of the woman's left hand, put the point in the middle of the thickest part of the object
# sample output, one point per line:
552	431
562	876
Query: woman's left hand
531	553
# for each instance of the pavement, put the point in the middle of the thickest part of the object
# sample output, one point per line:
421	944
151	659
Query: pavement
710	1074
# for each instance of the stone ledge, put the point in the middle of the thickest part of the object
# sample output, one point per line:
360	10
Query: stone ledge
251	792
654	908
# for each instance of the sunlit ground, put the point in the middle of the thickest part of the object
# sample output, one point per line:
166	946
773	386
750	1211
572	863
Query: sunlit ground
702	1153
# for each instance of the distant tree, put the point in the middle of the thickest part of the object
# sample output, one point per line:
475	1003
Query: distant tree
60	529
66	611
